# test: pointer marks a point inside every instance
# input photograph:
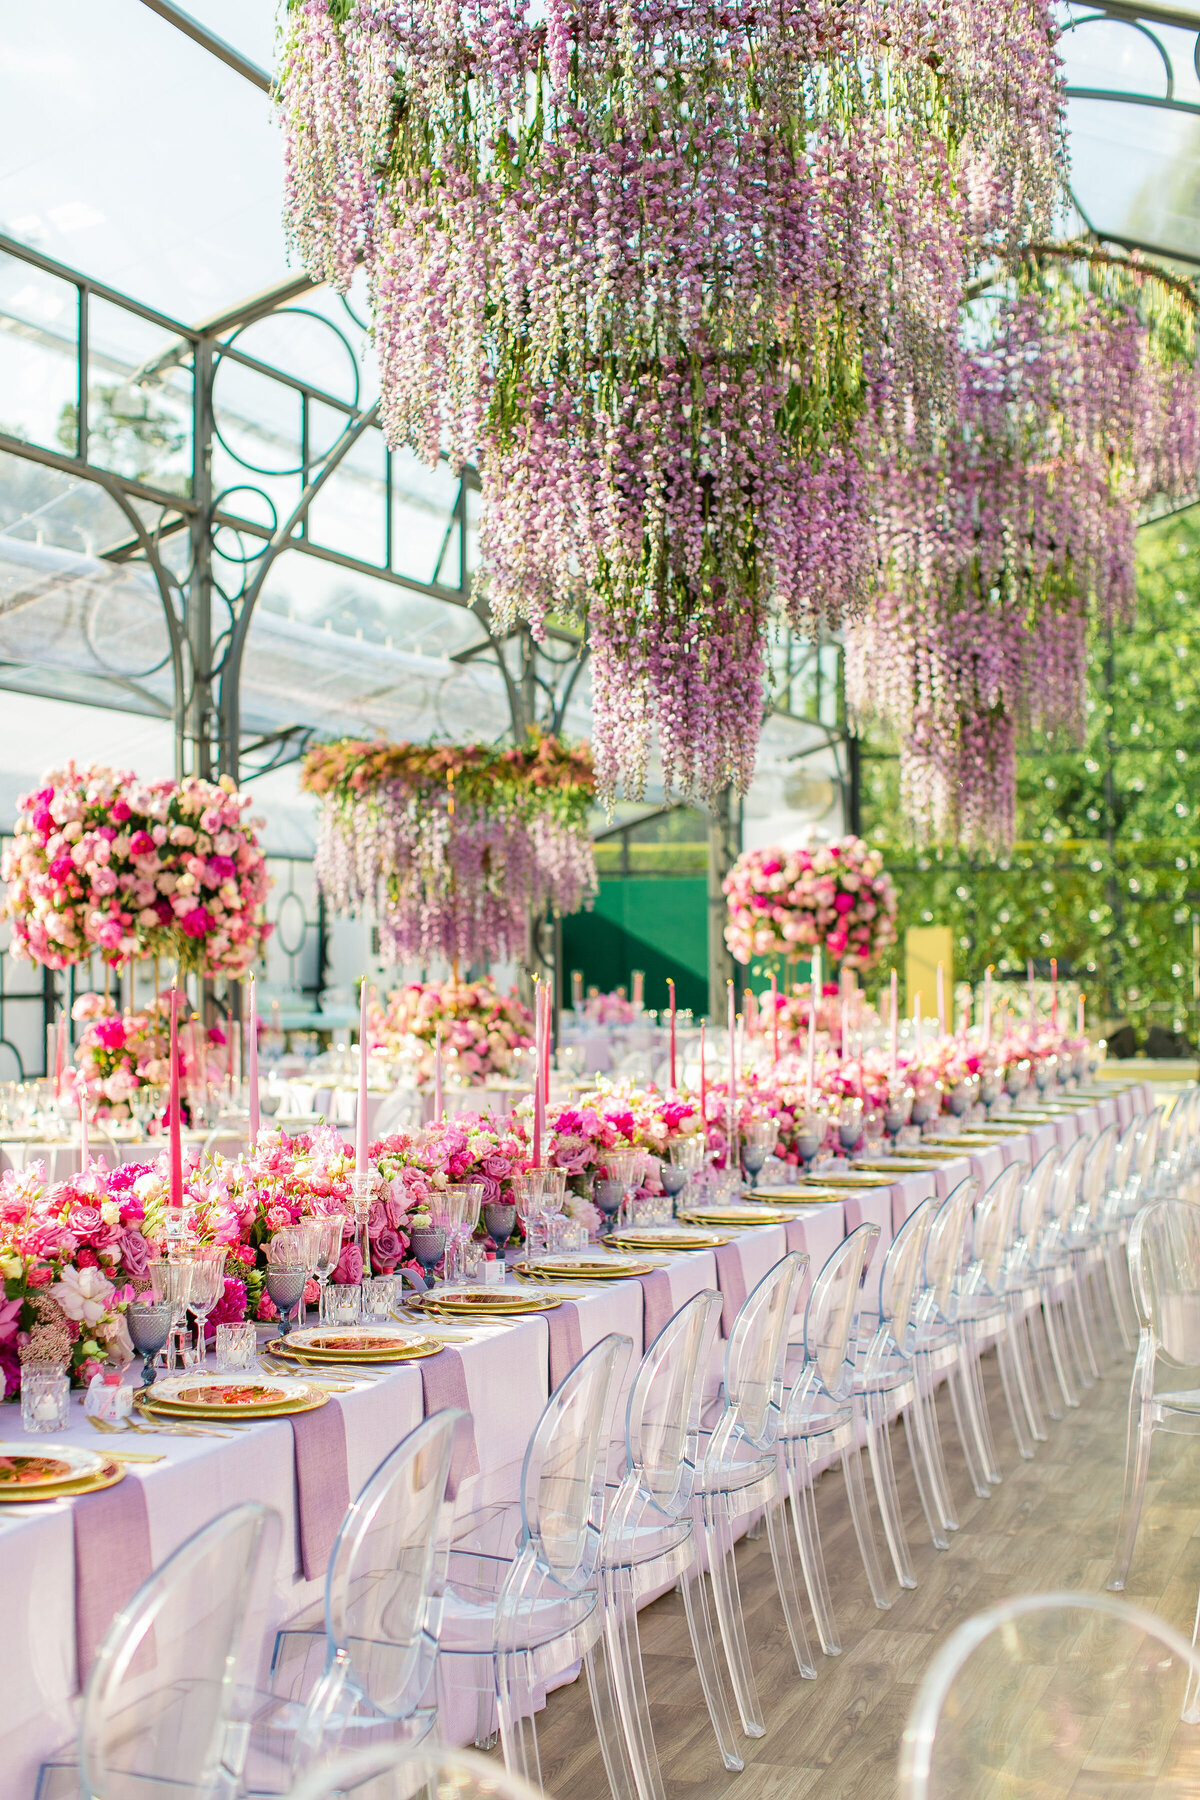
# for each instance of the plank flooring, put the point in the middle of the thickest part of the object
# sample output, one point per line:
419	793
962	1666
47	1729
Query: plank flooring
1050	1524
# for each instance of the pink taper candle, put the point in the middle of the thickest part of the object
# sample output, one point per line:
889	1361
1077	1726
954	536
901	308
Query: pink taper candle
1079	1032
732	1051
917	1024
812	1049
60	1051
360	1116
252	1066
987	1006
774	1018
547	1042
539	1091
85	1156
671	991
1054	990
438	1108
176	1159
895	1033
941	999
703	1083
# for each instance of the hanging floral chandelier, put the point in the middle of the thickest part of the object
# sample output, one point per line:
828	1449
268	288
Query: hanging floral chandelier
667	272
1077	402
453	848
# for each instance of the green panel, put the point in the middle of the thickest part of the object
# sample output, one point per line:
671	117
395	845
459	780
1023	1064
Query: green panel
657	925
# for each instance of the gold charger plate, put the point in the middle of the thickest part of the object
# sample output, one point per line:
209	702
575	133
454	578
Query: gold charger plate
303	1399
503	1304
410	1349
588	1272
703	1240
738	1215
112	1472
847	1180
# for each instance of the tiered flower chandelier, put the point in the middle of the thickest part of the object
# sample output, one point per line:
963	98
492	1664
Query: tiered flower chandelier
1077	402
671	274
453	848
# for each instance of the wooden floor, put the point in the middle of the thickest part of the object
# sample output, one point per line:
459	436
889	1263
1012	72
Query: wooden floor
1049	1525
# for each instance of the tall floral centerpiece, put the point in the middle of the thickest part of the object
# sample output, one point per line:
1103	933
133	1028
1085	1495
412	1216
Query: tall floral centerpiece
833	897
453	846
665	272
480	1028
102	862
119	1052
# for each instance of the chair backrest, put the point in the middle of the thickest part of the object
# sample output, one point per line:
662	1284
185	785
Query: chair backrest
833	1305
1032	1205
1063	1194
1094	1176
1149	1139
1164	1270
995	1219
904	1270
1123	1154
562	1481
380	1609
1055	1695
662	1414
947	1244
197	1623
755	1352
399	1772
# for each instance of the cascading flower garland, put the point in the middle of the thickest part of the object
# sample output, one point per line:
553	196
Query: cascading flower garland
833	897
452	847
101	861
663	270
1078	401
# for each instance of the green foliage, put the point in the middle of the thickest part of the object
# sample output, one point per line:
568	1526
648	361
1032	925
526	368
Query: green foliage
1105	873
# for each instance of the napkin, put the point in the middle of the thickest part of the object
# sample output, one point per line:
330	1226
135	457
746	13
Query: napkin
566	1341
112	1560
444	1383
731	1279
322	1483
658	1305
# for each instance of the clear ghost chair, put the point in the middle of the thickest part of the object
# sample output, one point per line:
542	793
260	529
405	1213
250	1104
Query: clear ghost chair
394	1772
739	1472
522	1601
1025	1285
1085	1239
1057	1697
945	1342
986	1308
892	1377
820	1420
1145	1173
381	1612
1058	1275
649	1538
1164	1268
167	1705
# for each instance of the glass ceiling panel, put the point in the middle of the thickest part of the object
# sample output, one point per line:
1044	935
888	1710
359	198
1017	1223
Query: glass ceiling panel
247	25
133	154
1136	172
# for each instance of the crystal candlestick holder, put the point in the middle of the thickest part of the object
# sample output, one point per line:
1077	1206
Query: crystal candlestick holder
362	1188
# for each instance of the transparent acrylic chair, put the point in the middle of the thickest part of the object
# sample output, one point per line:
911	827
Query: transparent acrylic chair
649	1537
168	1701
1085	1239
1054	1266
394	1772
1056	1695
945	1340
739	1473
381	1613
1164	1268
893	1377
820	1420
986	1308
1025	1288
522	1602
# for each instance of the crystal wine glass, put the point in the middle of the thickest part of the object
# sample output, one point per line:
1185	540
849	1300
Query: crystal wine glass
758	1141
149	1322
207	1286
170	1280
466	1198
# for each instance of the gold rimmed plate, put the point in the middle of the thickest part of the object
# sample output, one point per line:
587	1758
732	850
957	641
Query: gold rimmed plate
353	1344
27	1472
846	1179
665	1240
111	1471
468	1303
734	1215
252	1396
584	1268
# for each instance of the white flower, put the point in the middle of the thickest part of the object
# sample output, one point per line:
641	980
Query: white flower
84	1294
110	1212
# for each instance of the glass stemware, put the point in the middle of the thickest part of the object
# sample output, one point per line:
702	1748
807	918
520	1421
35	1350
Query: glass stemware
149	1322
537	1193
170	1280
207	1286
465	1199
322	1239
624	1166
758	1140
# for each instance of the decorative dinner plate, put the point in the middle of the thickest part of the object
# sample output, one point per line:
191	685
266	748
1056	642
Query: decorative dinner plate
734	1215
111	1470
251	1396
846	1179
667	1239
26	1471
582	1268
353	1343
471	1302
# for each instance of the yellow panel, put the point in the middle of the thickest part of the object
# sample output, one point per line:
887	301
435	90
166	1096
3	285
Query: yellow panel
925	946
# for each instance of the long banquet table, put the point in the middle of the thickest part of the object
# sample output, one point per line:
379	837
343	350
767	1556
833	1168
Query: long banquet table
62	1572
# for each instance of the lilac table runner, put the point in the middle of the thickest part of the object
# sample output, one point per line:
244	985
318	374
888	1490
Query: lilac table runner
444	1383
112	1560
322	1483
566	1341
